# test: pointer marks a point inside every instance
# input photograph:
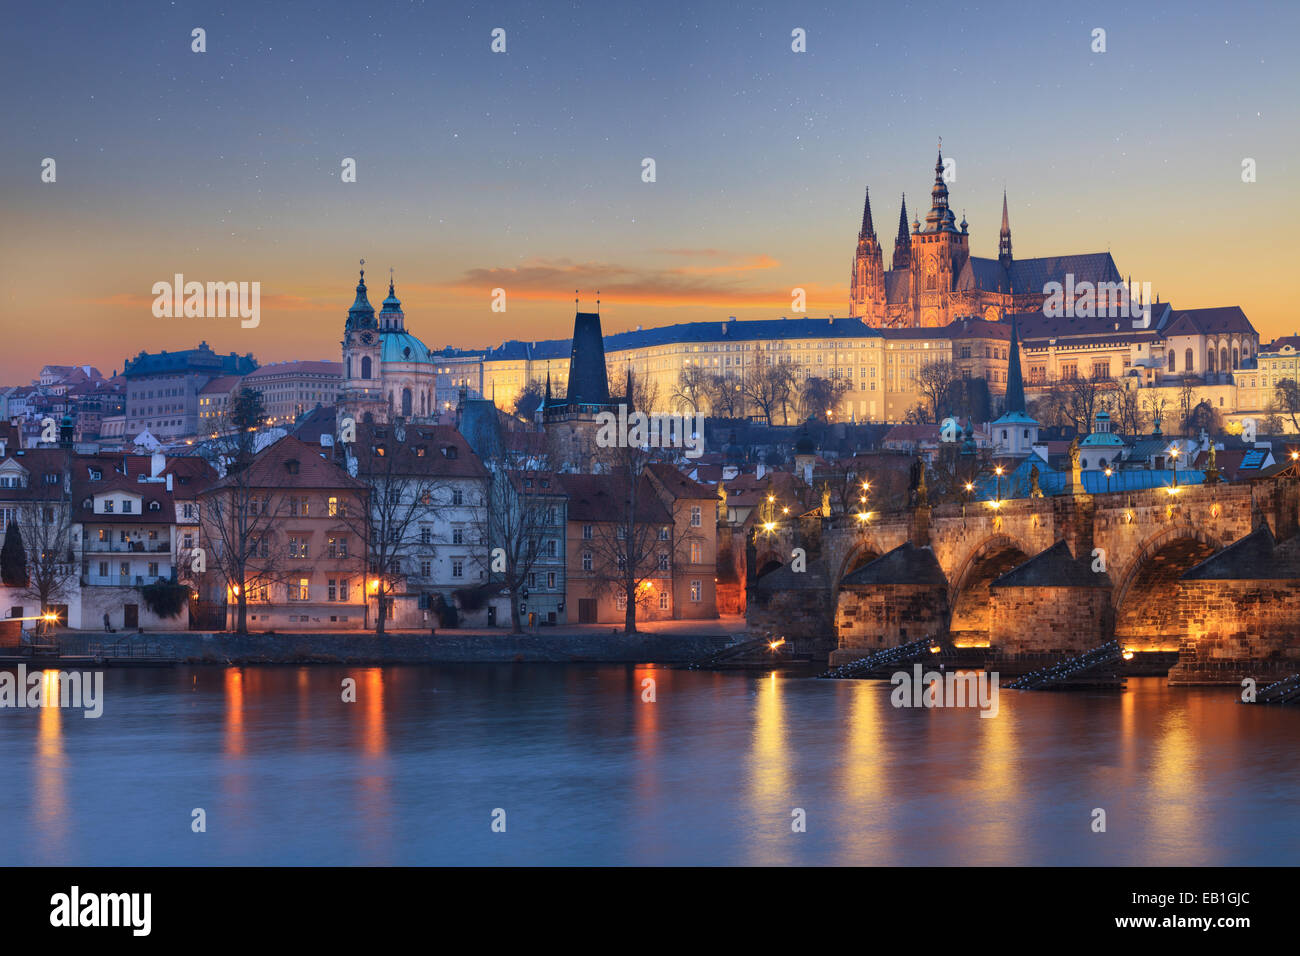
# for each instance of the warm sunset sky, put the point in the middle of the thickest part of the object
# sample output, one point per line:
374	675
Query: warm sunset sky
523	170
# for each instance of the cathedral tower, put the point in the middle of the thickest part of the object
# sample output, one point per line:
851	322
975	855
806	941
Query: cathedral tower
938	253
867	282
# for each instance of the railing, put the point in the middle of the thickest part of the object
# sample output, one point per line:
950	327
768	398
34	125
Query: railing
126	649
127	547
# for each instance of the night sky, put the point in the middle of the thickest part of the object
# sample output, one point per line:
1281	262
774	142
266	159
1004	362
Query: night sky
523	170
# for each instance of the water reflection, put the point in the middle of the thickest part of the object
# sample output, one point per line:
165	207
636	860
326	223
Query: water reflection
592	772
50	796
771	804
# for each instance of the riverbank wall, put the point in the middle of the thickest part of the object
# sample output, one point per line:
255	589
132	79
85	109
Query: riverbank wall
402	648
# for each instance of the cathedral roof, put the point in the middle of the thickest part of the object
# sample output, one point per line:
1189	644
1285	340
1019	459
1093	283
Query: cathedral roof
1032	275
1209	321
898	285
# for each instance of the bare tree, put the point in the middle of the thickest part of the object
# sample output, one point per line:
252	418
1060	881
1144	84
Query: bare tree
771	387
626	548
517	518
237	516
1130	418
1086	395
725	395
819	396
47	531
692	390
403	494
934	381
1286	398
1155	407
1186	402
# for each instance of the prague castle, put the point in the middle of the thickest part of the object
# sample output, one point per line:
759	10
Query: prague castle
937	303
934	279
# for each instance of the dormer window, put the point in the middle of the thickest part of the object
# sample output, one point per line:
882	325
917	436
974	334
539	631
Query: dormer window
420	450
292	466
450	451
108	506
154	506
96	474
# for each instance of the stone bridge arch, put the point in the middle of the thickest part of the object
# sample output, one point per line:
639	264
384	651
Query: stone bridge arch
850	550
767	559
969	580
1144	598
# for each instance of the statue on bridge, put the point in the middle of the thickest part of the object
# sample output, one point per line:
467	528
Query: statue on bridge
1034	490
1211	468
1076	473
918	496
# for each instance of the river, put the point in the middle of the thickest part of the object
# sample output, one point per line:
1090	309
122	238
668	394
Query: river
587	771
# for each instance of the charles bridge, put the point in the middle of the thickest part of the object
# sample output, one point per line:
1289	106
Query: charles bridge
1209	573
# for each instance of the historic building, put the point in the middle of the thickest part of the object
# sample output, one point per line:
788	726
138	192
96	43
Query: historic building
934	279
388	374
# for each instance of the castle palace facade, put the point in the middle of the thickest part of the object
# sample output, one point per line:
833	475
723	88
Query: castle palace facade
934	279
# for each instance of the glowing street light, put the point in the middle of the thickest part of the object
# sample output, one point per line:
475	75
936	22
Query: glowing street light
1108	474
998	471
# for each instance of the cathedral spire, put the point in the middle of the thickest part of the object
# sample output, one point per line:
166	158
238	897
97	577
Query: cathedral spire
1004	237
868	227
902	243
939	218
1015	381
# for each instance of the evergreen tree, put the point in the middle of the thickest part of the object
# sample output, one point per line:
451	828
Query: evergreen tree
13	558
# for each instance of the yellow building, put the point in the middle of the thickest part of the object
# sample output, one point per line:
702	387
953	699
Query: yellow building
1278	360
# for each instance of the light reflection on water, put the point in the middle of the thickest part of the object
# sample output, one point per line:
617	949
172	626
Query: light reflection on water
588	772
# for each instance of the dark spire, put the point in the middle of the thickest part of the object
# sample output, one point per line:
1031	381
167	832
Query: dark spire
1004	237
628	391
939	218
588	382
902	243
548	385
362	313
868	228
1015	382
